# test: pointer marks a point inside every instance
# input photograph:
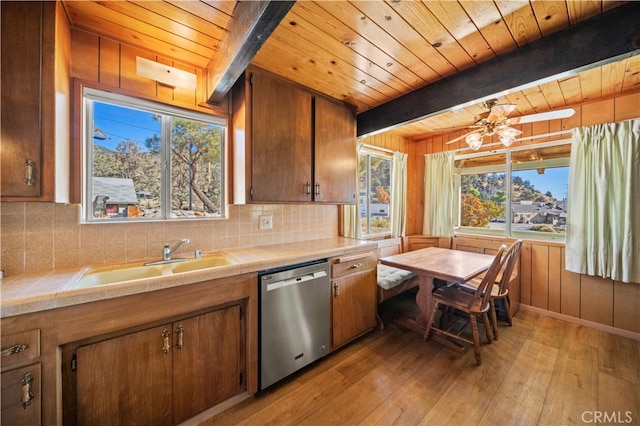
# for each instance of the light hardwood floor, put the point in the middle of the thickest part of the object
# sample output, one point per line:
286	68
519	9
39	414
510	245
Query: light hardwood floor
541	371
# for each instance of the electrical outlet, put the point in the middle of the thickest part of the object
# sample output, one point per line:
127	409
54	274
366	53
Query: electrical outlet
266	222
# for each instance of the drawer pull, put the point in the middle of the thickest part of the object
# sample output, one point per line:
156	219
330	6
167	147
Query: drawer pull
27	394
180	333
356	265
15	349
165	339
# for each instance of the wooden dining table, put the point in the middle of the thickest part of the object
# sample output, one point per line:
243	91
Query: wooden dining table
433	262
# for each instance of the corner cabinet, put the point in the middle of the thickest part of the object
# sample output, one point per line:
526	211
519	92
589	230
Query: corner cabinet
290	144
35	102
353	296
162	375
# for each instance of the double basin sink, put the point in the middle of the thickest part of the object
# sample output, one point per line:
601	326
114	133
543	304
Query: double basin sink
116	274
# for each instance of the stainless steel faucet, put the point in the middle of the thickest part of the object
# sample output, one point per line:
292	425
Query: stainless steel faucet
167	252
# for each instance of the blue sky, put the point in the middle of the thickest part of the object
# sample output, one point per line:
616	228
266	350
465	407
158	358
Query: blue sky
554	180
123	123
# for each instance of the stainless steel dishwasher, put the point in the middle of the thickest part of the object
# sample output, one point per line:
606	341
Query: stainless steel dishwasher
295	318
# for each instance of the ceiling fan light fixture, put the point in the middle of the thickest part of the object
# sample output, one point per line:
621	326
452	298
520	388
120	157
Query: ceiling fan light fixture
507	140
473	138
475	145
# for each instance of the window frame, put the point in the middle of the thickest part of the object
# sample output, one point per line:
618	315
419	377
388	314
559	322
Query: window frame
373	151
91	95
507	168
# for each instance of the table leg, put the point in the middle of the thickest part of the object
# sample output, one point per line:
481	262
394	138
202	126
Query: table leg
425	303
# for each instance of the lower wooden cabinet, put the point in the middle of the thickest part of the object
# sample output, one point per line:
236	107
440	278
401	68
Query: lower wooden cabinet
353	295
161	375
21	401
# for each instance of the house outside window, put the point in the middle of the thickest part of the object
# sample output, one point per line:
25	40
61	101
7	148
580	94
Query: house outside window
374	185
518	192
147	161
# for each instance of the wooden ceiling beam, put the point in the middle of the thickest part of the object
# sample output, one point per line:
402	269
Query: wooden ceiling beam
251	25
610	36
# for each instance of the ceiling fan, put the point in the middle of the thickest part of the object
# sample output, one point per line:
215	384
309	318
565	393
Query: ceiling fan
495	121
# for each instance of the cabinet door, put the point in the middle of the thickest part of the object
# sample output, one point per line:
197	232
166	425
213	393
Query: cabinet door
354	305
335	153
21	396
126	380
21	96
208	361
280	141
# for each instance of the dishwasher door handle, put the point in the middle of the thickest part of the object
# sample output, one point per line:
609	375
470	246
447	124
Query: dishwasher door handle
295	280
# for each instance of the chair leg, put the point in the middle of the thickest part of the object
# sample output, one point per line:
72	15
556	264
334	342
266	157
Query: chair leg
476	338
487	326
432	316
494	318
507	309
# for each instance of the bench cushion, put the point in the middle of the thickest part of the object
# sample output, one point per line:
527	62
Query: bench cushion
389	276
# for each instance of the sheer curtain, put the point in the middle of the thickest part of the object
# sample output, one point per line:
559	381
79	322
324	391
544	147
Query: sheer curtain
399	195
439	194
350	221
603	215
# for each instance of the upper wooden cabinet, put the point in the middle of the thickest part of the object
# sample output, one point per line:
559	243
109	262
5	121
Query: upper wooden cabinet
35	102
290	145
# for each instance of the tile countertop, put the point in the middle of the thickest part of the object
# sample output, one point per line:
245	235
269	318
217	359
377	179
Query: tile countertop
28	293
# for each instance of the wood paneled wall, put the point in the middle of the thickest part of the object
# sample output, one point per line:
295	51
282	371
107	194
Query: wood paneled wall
101	60
545	284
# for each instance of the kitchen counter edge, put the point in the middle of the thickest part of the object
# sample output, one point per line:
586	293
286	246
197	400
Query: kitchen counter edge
34	292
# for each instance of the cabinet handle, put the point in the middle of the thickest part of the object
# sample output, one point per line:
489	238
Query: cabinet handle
317	189
27	393
180	333
356	265
165	338
29	180
335	290
15	349
307	190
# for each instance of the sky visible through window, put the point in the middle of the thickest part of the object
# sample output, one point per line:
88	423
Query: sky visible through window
120	123
554	180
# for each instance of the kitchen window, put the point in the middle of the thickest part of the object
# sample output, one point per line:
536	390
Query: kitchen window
374	186
517	192
147	161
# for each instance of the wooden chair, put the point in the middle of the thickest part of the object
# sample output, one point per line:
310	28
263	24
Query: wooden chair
500	289
470	304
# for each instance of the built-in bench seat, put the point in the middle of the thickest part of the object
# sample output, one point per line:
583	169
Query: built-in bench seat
392	281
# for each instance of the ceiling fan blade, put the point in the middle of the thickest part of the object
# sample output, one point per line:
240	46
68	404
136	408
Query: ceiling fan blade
461	137
543	116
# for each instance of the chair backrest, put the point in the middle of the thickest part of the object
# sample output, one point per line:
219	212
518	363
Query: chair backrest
483	291
512	255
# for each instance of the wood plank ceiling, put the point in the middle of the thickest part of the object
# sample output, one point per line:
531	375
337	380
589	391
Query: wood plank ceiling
368	53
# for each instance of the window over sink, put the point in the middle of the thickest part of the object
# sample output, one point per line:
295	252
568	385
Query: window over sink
149	161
